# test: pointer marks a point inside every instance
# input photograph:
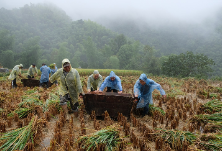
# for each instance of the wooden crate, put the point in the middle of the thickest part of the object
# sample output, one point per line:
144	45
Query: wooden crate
113	103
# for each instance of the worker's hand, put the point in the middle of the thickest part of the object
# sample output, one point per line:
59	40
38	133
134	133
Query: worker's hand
120	92
88	90
100	91
36	75
136	100
80	95
164	96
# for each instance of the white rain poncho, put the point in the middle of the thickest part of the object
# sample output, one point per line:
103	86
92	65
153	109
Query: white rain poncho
32	71
15	71
69	84
144	92
94	83
116	84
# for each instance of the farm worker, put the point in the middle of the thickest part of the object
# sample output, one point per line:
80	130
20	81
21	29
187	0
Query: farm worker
45	75
143	89
113	83
94	81
32	71
70	86
15	71
53	70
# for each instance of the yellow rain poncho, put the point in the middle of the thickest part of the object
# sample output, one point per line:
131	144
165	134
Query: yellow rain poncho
68	84
32	71
15	71
94	83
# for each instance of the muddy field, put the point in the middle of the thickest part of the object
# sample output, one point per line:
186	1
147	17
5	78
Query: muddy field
182	121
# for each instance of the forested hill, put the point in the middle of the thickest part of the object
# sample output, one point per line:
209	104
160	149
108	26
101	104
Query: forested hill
175	37
43	33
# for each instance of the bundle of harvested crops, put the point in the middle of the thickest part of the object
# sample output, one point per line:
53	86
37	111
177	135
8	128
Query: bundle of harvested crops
211	107
211	142
156	109
52	103
107	138
205	118
30	102
177	139
19	138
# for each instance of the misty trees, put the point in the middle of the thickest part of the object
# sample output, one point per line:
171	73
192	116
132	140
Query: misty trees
30	53
6	47
187	64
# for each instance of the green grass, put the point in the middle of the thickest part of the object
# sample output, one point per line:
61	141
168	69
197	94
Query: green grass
106	72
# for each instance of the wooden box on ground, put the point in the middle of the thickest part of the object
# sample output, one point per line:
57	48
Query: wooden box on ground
113	103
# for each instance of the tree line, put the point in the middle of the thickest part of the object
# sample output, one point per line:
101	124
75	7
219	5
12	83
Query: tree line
40	33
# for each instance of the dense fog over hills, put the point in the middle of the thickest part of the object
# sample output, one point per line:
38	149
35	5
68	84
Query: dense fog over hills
108	29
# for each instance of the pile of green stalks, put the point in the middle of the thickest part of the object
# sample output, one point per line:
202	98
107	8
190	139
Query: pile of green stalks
29	102
105	139
176	139
52	101
26	106
17	139
211	142
212	106
205	118
153	109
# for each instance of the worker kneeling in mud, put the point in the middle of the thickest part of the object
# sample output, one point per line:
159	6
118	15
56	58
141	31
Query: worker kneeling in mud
13	75
143	92
113	83
70	86
94	81
33	71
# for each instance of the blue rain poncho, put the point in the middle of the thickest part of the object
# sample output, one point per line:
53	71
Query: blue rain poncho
54	70
144	92
45	74
116	84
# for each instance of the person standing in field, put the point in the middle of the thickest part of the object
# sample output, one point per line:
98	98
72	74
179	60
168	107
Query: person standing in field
143	89
70	86
15	71
45	75
113	83
33	71
53	70
94	81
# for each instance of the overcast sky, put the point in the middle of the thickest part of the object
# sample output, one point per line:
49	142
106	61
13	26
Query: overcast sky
184	10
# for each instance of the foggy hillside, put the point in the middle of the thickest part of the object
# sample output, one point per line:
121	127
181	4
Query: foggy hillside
45	33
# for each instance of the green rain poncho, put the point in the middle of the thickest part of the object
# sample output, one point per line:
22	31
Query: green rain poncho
32	71
15	71
70	84
94	83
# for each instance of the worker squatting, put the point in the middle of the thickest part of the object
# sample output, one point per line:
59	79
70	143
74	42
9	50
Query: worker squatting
70	87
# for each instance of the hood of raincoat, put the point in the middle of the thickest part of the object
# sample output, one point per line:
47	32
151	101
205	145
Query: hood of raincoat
95	72
112	74
144	78
21	65
64	61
